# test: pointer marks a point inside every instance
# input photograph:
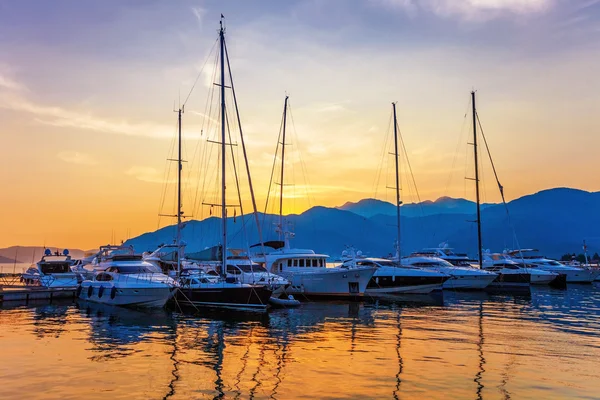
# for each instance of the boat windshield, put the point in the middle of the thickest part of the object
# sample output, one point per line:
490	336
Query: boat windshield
55	268
130	269
252	268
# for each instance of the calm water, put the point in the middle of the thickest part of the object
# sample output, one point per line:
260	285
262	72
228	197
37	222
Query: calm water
542	345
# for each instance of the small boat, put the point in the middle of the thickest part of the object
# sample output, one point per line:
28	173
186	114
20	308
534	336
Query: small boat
288	302
127	280
461	277
52	271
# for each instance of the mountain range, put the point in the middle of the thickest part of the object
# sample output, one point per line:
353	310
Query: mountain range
555	221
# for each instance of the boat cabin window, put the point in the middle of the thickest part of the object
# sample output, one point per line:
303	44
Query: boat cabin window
55	268
289	263
129	269
252	268
102	277
295	263
233	270
301	263
364	263
315	262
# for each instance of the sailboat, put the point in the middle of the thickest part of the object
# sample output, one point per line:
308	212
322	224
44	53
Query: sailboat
511	275
306	270
392	276
197	288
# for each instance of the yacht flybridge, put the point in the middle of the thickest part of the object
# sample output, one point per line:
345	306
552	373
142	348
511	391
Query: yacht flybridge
52	271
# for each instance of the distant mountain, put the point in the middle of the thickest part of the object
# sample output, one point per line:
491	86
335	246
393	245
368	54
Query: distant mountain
6	260
444	205
28	254
556	221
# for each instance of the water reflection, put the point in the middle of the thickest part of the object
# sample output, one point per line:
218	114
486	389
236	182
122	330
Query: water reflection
475	345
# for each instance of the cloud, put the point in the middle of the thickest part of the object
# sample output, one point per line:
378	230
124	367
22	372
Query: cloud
470	10
146	174
199	13
8	83
60	117
74	157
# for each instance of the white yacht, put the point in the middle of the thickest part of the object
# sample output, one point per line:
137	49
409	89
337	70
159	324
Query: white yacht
515	274
390	277
308	273
461	277
52	271
573	274
127	280
447	253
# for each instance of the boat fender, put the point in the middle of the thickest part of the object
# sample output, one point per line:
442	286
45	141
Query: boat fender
90	291
113	292
100	291
79	288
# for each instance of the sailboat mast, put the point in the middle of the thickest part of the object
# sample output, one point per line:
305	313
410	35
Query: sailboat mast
223	152
397	181
282	165
179	167
480	259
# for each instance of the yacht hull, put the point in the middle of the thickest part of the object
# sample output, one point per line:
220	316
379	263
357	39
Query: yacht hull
379	285
247	297
469	282
509	281
154	297
330	283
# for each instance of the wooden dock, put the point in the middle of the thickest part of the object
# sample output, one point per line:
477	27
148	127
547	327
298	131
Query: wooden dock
27	293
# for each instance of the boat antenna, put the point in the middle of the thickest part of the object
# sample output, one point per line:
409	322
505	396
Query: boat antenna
282	167
397	183
479	254
223	152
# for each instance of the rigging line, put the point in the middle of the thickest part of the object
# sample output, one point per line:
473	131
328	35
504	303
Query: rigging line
254	207
206	127
303	168
273	169
382	158
500	187
166	177
200	73
409	167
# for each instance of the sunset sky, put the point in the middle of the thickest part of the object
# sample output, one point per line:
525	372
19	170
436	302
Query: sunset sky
87	91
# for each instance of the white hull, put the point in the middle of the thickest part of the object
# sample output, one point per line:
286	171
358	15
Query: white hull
574	275
469	282
415	289
331	282
541	279
128	297
51	281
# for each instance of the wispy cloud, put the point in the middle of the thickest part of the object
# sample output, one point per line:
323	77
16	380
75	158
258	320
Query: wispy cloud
469	10
146	174
74	157
7	82
61	117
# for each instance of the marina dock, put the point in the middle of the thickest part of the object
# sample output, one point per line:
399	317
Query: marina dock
27	293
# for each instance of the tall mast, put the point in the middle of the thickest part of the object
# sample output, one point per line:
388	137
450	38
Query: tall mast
397	181
282	165
223	152
179	168
480	259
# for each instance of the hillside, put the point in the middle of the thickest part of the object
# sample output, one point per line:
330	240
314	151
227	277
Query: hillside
555	221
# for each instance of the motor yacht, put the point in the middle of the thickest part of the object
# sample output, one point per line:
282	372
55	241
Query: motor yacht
52	271
308	273
391	277
461	277
532	258
512	274
127	280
